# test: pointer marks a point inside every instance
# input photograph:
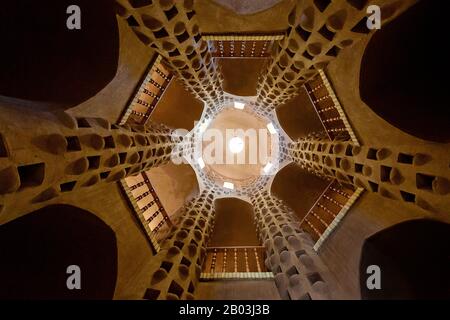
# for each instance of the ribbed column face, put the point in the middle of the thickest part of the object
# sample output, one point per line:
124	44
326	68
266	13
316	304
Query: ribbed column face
171	28
299	272
61	156
177	266
416	174
318	31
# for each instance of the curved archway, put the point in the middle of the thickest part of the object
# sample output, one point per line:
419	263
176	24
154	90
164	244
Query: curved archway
37	248
234	224
298	188
399	76
413	259
43	61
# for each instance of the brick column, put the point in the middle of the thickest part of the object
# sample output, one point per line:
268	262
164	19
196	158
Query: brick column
177	267
171	28
416	174
318	31
61	155
299	272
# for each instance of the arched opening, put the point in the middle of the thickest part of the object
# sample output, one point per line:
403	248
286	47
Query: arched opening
234	224
298	188
298	117
37	249
168	109
414	261
43	61
240	75
399	77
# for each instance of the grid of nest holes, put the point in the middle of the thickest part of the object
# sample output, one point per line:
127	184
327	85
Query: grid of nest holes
170	28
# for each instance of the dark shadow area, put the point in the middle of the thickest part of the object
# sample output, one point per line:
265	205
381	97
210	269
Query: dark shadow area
298	188
401	71
42	60
298	118
240	75
414	260
36	249
234	224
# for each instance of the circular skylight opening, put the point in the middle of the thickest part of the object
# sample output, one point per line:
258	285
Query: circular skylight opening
236	145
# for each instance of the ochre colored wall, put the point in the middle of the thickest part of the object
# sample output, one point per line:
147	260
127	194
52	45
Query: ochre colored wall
234	224
298	188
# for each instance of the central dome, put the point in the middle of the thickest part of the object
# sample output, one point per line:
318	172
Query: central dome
244	148
236	144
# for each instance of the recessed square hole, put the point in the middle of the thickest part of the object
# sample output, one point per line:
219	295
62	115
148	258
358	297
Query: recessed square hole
372	154
307	55
161	33
373	186
358	168
68	186
191	287
385	173
405	158
104	175
73	143
349	150
176	289
333	52
166	265
358	4
109	142
322	4
3	148
132	21
292	270
293	68
424	181
303	33
192	55
193	241
83	123
190	14
197	38
186	262
183	37
141	155
122	157
151	294
361	26
94	162
408	197
31	175
327	34
179	244
338	162
174	53
314	277
172	12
